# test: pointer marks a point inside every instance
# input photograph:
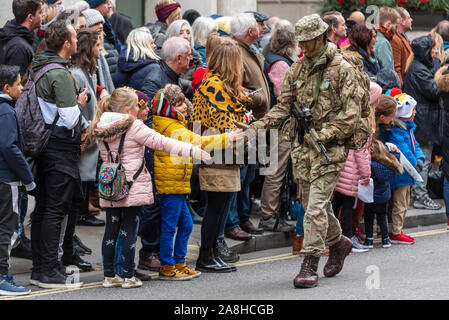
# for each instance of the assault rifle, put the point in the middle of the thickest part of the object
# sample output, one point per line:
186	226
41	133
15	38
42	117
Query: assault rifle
304	117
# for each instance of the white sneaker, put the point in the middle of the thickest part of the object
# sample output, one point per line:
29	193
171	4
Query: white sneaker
112	282
131	283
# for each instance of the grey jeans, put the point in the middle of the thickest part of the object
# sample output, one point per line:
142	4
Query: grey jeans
419	190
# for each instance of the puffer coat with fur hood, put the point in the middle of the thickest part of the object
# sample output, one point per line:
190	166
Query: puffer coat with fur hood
138	136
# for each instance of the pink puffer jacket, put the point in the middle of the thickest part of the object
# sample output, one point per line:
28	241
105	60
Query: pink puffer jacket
357	165
138	136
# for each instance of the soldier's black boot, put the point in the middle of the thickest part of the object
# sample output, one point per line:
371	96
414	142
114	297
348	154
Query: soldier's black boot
307	276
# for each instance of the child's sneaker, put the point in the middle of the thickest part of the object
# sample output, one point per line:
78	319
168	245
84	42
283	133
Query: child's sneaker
356	246
369	242
386	243
129	283
9	288
184	269
169	272
113	282
400	239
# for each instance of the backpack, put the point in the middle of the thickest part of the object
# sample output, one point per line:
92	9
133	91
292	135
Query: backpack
112	184
363	126
35	131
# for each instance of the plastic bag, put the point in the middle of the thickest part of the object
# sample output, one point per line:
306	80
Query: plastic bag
366	193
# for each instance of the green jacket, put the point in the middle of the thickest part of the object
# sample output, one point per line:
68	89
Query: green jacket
56	92
335	113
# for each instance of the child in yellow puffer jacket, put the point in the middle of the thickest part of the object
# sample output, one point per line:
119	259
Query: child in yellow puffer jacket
172	177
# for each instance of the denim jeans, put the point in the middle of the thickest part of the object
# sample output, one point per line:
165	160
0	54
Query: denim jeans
446	195
23	207
231	216
176	219
118	259
150	228
247	175
300	220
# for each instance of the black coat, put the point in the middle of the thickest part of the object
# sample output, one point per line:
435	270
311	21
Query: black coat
420	84
16	46
132	73
158	76
442	80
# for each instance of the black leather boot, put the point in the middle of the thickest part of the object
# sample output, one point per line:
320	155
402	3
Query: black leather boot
74	259
218	255
206	262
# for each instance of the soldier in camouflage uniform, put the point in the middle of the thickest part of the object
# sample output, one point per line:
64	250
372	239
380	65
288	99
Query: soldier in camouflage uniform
335	112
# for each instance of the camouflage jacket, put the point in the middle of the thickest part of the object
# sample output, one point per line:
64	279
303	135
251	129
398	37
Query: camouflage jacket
335	112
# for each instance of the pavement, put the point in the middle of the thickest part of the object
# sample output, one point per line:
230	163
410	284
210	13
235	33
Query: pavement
92	237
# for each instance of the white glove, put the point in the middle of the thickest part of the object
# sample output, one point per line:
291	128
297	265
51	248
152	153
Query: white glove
30	186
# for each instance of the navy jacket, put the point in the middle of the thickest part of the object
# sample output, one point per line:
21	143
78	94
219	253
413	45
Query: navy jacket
132	73
13	166
381	175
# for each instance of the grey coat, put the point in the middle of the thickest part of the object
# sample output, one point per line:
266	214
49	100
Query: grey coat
89	158
104	75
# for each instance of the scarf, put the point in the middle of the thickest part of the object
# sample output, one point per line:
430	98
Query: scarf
387	33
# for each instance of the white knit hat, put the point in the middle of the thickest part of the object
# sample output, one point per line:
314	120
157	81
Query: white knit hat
406	104
92	17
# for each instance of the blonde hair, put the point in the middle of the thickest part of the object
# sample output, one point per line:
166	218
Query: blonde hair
388	14
226	60
140	40
439	43
120	99
49	13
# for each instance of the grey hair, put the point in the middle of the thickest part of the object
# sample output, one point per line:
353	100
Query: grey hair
202	27
241	23
283	38
174	46
175	27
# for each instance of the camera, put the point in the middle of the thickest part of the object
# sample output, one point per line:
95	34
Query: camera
80	90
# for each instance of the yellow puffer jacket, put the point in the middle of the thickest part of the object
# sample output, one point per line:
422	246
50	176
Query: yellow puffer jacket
172	172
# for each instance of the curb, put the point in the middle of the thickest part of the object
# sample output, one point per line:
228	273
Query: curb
273	240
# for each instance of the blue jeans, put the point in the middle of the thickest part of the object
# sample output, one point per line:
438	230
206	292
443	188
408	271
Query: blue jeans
446	195
150	228
175	215
299	219
118	259
247	175
231	218
23	207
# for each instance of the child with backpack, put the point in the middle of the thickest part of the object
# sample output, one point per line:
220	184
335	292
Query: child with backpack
172	177
14	172
384	165
405	140
122	141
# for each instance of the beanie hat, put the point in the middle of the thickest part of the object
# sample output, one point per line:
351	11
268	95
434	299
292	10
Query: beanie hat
388	79
374	92
406	103
191	15
92	17
142	98
94	3
164	101
224	25
164	12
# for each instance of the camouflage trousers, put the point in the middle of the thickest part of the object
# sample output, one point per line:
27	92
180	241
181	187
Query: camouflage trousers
321	227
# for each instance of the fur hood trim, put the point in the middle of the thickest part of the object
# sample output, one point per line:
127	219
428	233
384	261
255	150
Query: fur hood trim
112	126
380	153
442	79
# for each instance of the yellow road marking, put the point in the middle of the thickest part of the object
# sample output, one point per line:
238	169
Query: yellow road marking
238	264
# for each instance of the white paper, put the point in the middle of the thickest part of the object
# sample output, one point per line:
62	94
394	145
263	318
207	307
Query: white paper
408	166
366	193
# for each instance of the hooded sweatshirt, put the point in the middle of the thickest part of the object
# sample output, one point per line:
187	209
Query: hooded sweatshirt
16	45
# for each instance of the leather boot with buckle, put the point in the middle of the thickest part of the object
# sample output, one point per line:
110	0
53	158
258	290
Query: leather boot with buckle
337	254
206	262
307	276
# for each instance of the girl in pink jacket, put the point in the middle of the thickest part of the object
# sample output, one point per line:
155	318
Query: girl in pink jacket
357	168
116	116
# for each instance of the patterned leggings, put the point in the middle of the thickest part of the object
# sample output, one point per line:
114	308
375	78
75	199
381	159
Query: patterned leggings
121	221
